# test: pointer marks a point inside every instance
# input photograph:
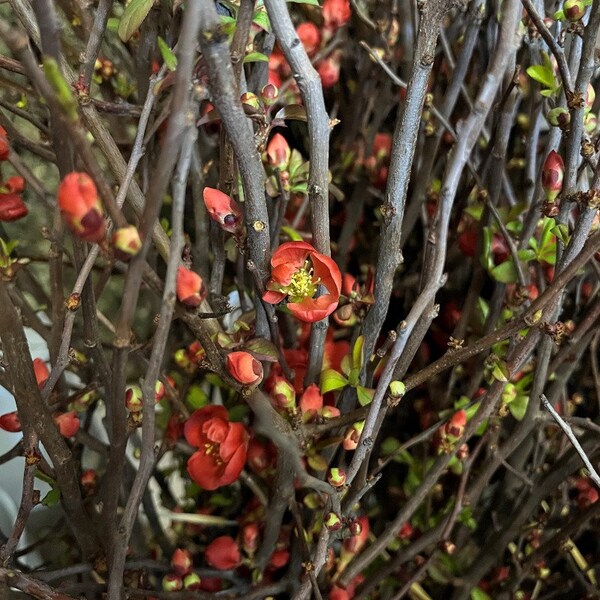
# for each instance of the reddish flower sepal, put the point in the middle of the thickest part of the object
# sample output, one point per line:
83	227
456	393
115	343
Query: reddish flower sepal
41	372
10	422
223	553
190	287
244	368
222	447
12	207
80	207
223	210
297	272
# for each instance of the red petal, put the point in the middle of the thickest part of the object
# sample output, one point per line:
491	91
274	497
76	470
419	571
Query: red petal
192	430
237	437
327	270
273	297
204	470
311	310
291	253
12	207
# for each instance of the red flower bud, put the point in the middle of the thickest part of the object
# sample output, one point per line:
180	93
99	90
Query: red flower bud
182	561
4	145
80	207
329	71
359	533
310	36
190	287
269	94
278	152
41	372
15	184
10	422
244	368
552	175
352	436
223	210
336	13
283	393
223	553
127	242
67	423
311	402
89	479
250	536
336	477
133	398
12	207
332	521
456	425
279	559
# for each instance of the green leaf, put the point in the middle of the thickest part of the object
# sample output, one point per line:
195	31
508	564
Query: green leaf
365	395
255	57
52	497
479	594
332	380
518	407
263	349
113	24
261	18
63	91
561	231
167	54
487	262
527	254
543	75
357	352
292	233
505	272
196	397
133	16
500	371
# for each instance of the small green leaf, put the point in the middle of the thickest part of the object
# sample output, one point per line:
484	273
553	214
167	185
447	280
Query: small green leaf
133	16
64	94
52	497
527	254
196	397
291	233
261	19
500	371
113	24
505	272
541	75
167	54
255	57
332	380
518	407
365	395
561	231
479	594
262	349
357	352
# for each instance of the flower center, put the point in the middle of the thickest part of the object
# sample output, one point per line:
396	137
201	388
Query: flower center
212	449
302	284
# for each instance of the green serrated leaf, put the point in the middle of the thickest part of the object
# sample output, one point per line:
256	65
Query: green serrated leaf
505	272
167	54
255	57
332	380
133	16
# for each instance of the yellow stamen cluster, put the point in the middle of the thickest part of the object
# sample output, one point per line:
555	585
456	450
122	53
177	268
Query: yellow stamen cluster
302	284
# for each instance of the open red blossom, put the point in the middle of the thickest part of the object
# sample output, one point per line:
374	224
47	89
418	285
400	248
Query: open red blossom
12	207
67	423
81	207
41	372
223	210
244	368
190	287
10	422
223	553
222	447
297	272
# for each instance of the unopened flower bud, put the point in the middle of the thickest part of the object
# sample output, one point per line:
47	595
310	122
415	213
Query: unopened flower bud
133	398
553	173
336	477
574	9
352	435
182	561
192	582
559	117
332	522
12	207
127	242
283	393
250	100
269	94
190	287
244	368
171	582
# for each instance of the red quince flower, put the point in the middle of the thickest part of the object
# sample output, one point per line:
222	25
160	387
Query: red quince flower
190	287
311	402
67	423
223	553
10	422
297	272
329	70
81	207
336	13
12	207
222	447
223	210
244	368
182	561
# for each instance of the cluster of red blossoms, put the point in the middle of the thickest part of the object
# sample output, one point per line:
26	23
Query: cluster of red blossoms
12	206
336	13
